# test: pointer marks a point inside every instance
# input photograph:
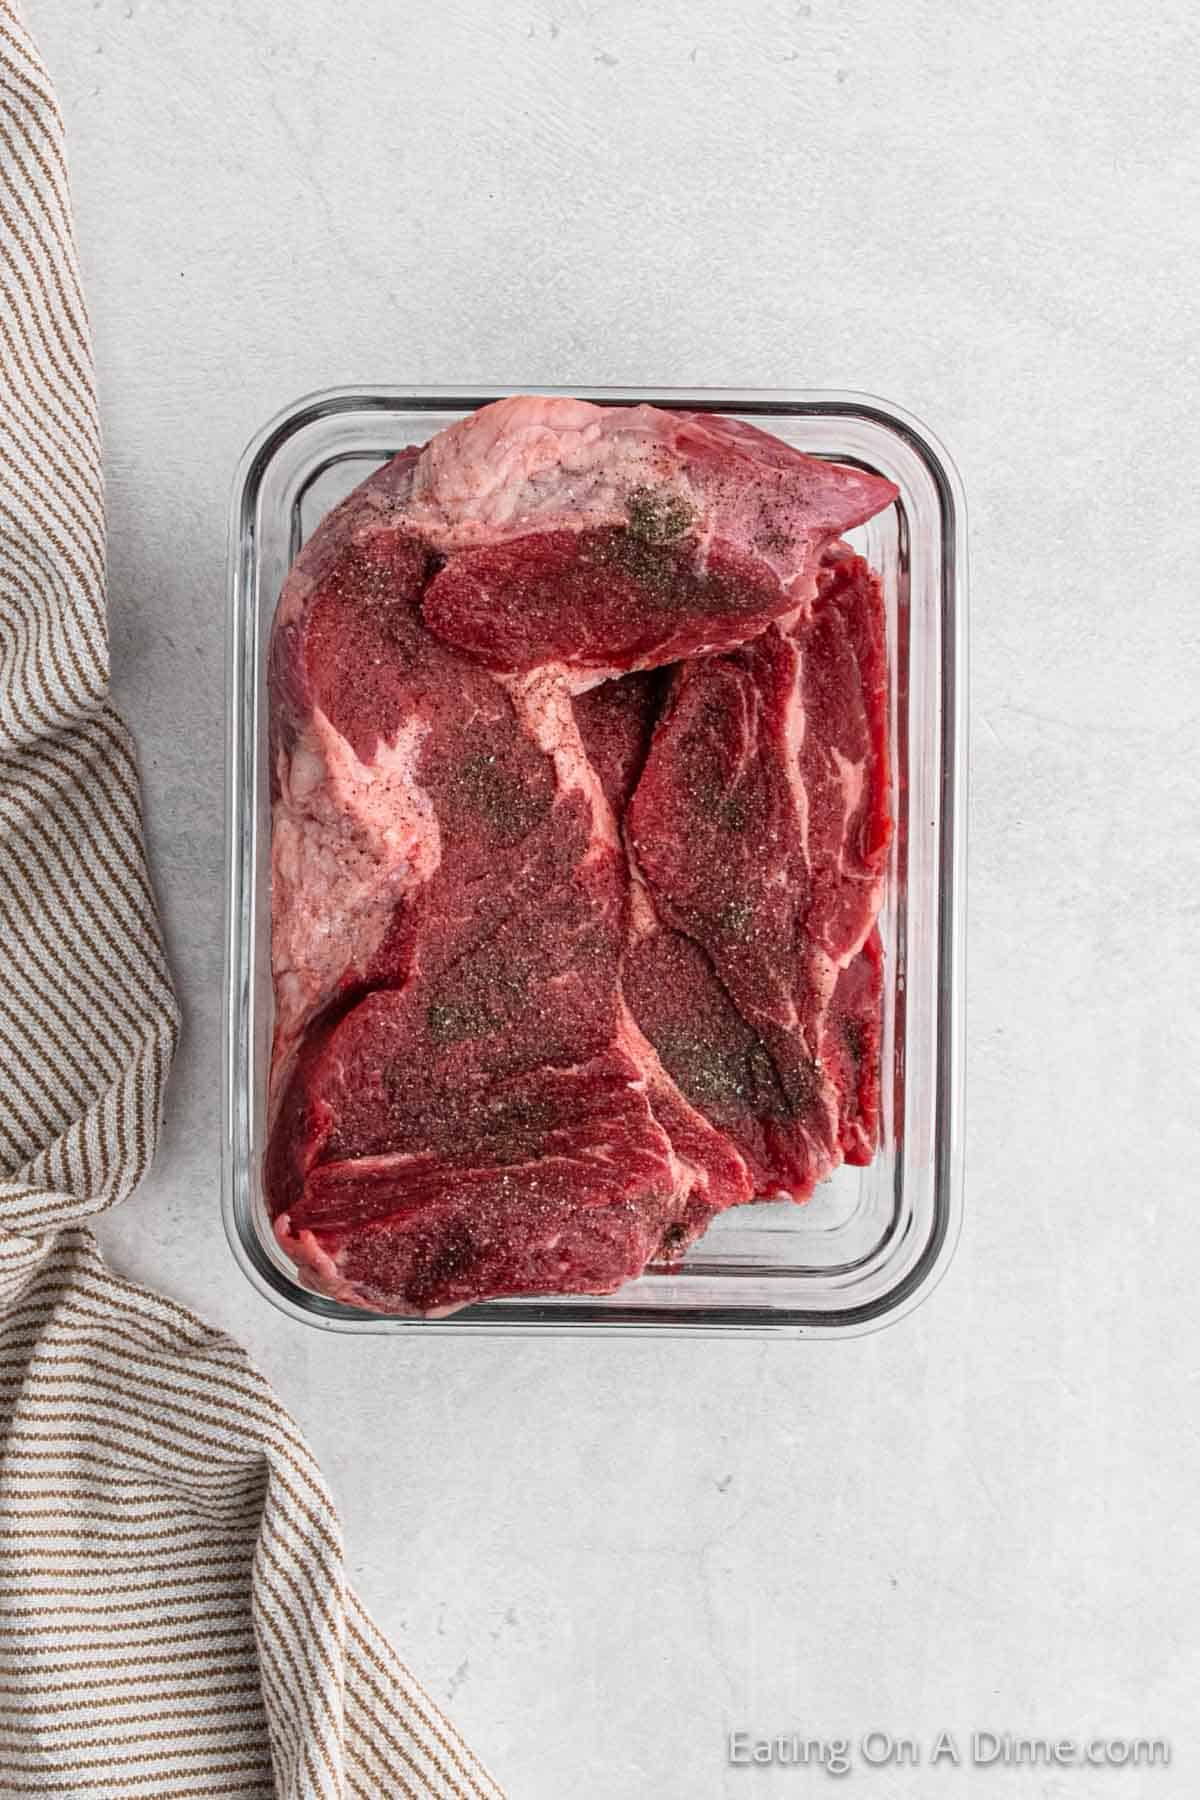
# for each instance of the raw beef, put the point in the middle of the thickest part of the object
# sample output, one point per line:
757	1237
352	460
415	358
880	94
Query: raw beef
717	828
850	1049
843	753
760	826
466	1097
616	723
599	541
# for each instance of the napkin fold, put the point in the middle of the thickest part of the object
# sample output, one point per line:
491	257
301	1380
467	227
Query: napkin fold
175	1618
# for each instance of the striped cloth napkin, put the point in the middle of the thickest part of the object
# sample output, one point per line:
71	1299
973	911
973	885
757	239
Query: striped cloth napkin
174	1618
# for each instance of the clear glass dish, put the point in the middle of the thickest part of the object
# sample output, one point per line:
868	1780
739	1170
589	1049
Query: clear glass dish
871	1242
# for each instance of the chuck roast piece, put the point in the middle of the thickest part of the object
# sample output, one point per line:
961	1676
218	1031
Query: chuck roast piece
760	825
507	1058
609	540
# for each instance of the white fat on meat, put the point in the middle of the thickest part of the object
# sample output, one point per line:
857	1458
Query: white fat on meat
350	839
548	463
542	703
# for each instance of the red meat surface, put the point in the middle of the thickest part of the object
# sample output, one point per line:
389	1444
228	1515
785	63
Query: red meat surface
850	1048
616	723
525	1041
760	825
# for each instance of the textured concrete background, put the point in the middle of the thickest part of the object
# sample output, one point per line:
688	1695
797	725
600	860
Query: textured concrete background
603	1555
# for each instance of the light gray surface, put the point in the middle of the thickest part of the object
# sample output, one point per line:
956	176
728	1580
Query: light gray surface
605	1554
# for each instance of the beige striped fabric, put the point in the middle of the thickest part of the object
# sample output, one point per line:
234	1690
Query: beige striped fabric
174	1616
